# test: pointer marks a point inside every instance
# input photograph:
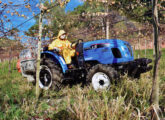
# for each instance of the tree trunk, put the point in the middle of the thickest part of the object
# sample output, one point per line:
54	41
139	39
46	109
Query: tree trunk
154	100
39	54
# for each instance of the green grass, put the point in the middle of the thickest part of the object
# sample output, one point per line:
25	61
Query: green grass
128	100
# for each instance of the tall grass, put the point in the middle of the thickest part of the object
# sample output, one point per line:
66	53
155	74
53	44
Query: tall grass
127	100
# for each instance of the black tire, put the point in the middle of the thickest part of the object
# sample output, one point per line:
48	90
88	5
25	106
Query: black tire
53	74
106	76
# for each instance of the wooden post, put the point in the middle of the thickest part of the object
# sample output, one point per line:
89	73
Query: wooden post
103	29
39	53
139	34
10	60
145	48
107	24
139	48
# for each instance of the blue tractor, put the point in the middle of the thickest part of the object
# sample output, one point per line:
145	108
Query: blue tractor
98	63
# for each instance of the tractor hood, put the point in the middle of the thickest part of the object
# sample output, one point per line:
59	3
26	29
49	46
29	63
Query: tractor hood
108	51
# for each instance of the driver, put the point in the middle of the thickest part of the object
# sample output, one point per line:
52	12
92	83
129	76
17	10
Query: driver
64	47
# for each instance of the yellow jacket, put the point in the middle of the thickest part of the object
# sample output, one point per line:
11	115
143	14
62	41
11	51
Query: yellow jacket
65	47
61	44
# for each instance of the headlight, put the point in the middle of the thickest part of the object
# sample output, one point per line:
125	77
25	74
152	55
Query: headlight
129	48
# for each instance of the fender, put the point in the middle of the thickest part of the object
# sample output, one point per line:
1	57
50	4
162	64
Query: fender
58	59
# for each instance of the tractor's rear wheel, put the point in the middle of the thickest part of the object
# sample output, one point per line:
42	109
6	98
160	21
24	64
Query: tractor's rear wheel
50	75
101	77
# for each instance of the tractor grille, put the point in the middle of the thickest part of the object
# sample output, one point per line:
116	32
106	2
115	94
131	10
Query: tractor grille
116	52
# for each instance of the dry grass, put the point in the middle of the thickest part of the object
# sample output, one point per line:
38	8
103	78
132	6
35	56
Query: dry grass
127	100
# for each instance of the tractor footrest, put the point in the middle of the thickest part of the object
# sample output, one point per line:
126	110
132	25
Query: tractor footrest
74	70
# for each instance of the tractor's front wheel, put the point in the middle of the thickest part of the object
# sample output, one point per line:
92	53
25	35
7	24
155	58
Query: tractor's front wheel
101	77
50	75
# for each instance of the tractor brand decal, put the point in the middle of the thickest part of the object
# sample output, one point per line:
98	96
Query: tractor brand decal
100	45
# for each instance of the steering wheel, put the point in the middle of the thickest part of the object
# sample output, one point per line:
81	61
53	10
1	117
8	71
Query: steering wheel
76	42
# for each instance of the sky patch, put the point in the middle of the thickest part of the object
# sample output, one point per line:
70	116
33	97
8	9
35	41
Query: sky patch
16	20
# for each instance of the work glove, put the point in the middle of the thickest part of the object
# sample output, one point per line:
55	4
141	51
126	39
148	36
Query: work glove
56	49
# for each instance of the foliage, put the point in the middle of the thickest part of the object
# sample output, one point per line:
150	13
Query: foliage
6	43
88	22
138	10
53	21
73	22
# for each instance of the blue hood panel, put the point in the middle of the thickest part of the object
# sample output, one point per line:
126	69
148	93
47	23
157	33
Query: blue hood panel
101	51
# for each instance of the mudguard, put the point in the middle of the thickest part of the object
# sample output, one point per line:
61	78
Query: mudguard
56	58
